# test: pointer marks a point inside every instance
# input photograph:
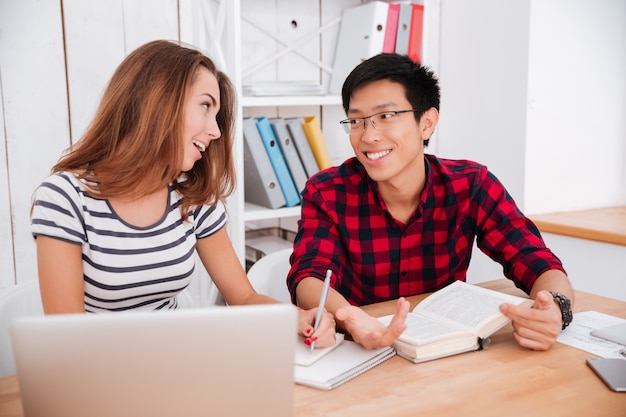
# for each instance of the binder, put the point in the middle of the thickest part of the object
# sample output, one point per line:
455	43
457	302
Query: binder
288	147
317	143
261	184
294	126
404	29
415	36
391	31
361	36
277	160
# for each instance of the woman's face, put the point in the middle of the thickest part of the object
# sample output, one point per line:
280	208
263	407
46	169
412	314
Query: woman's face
200	125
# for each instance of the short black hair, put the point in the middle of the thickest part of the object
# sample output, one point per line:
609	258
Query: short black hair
421	86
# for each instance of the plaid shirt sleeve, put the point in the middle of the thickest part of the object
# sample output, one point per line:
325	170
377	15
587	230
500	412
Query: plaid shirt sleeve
315	244
507	236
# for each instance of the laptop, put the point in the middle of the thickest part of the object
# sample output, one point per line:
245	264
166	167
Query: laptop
615	333
218	361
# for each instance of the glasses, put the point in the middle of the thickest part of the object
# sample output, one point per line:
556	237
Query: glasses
380	121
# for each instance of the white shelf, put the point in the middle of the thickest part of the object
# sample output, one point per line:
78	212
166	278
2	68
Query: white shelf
253	212
271	101
290	41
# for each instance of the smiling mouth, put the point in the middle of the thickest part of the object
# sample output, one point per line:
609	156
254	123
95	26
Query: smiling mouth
199	145
374	156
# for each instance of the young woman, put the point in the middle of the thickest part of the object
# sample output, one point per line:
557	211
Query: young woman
118	222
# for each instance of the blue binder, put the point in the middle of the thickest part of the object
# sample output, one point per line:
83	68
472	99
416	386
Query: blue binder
278	162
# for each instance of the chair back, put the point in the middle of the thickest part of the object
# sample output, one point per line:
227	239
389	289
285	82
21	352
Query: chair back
268	275
18	300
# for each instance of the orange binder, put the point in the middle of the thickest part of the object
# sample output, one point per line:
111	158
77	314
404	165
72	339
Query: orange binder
415	36
314	134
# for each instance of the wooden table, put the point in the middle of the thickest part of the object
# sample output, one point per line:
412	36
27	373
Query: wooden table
504	380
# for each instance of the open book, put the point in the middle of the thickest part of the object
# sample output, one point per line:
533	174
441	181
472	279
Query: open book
458	318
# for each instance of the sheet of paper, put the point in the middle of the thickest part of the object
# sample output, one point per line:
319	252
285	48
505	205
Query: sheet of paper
577	334
305	357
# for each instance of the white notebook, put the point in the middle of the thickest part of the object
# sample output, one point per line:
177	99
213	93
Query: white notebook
343	363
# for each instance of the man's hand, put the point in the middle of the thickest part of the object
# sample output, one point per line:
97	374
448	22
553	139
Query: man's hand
537	327
369	331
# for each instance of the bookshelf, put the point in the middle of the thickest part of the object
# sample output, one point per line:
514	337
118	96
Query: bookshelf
285	41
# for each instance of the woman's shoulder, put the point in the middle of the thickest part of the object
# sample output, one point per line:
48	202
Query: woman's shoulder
65	188
65	179
61	182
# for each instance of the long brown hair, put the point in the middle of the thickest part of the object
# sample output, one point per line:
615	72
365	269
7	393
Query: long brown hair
132	147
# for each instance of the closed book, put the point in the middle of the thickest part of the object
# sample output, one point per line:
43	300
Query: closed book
261	185
404	29
316	140
290	152
277	159
393	14
415	36
361	36
296	129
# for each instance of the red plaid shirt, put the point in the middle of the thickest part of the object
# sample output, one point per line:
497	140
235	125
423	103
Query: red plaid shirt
345	226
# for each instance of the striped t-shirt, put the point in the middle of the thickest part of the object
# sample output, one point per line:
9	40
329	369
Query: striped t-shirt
124	267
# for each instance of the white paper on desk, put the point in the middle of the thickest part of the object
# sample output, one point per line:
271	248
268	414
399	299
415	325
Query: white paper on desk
304	356
578	334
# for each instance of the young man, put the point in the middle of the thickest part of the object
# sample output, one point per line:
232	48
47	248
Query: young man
393	221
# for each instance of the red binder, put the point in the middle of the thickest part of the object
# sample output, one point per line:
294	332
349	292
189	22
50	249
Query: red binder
415	36
389	45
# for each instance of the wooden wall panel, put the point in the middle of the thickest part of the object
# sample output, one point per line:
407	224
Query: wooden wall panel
39	103
35	114
7	274
94	35
147	20
99	34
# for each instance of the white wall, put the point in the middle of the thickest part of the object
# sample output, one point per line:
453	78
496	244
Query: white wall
576	130
536	91
483	76
594	267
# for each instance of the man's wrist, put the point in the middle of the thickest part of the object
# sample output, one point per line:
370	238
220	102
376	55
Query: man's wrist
565	306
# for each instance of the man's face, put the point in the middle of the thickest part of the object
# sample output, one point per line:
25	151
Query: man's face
392	152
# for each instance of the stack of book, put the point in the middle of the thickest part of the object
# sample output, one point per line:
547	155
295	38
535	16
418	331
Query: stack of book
280	154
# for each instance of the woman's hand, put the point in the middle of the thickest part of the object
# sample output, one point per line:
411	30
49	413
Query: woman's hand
324	336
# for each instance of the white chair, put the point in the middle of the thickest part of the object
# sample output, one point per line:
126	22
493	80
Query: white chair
19	300
201	292
268	275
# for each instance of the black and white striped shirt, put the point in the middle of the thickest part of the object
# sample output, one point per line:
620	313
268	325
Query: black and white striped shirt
125	267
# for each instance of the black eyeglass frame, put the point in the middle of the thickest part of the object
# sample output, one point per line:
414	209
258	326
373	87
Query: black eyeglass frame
347	122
